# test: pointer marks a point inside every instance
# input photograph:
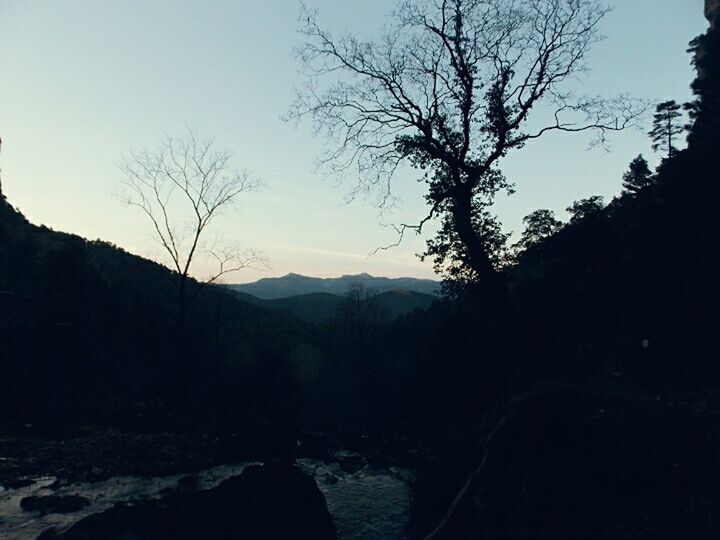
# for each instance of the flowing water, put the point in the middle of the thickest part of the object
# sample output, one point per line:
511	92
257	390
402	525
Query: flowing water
369	504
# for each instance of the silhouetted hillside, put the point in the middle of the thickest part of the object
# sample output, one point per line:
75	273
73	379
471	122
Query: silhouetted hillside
313	307
296	284
396	303
322	307
632	290
613	367
87	328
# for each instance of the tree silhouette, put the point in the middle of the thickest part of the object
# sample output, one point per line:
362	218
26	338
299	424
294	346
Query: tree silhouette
182	186
704	110
539	225
584	208
638	175
449	89
666	127
451	257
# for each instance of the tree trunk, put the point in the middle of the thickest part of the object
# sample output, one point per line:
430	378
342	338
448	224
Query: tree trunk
183	353
490	294
478	257
450	525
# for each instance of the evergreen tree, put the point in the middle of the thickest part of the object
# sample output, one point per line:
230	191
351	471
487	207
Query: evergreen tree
666	127
638	175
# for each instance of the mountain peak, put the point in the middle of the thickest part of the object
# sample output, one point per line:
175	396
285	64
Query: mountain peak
363	275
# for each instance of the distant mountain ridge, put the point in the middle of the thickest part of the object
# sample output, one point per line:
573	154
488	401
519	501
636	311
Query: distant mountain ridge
322	307
297	284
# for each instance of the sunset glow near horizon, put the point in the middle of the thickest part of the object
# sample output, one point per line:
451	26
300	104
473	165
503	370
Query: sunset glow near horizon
84	81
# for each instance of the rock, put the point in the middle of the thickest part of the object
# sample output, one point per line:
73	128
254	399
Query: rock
381	461
57	484
271	502
18	483
329	478
351	463
555	468
54	504
188	483
712	11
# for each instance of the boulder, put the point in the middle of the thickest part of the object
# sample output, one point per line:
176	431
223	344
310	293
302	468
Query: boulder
54	504
266	502
571	462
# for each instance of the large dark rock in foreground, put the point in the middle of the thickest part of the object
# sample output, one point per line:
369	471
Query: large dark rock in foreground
266	502
53	504
572	462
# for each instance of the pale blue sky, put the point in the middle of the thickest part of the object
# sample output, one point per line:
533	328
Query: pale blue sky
81	81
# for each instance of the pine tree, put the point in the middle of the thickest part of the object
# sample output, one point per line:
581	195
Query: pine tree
666	127
638	175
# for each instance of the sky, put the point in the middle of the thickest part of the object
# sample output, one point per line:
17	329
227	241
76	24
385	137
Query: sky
84	81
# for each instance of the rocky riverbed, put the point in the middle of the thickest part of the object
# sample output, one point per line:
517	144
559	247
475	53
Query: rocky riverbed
55	484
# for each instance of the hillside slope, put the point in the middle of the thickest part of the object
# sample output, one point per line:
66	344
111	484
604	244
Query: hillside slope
322	307
86	328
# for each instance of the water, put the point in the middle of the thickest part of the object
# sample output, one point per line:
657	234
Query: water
369	504
15	523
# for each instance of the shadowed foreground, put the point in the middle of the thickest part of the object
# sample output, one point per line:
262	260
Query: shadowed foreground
272	501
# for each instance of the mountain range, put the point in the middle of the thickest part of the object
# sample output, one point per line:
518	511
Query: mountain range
318	300
297	284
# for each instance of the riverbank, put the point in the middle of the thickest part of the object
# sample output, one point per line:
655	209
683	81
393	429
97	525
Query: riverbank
87	454
51	482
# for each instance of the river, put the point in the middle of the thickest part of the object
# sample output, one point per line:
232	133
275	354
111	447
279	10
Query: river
369	504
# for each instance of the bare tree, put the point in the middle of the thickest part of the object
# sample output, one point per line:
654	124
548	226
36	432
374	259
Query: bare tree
449	87
182	186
